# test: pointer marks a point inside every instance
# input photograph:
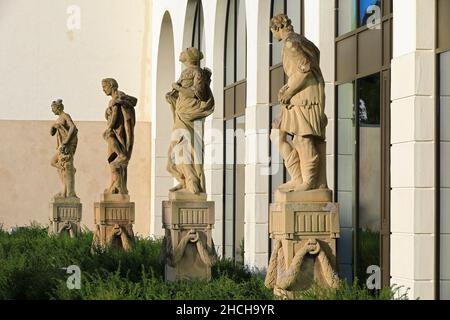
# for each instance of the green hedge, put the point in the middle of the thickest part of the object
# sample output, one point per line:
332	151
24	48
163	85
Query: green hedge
31	265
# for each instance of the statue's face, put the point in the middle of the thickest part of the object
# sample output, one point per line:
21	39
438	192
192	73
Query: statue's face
276	34
183	57
107	88
56	110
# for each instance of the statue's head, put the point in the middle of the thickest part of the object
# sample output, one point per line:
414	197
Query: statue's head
191	56
280	25
109	86
57	107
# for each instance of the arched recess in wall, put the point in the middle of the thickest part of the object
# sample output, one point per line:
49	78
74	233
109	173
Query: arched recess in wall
162	122
165	76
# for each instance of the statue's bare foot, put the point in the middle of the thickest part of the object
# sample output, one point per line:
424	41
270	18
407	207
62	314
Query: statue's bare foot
60	195
303	187
177	188
288	186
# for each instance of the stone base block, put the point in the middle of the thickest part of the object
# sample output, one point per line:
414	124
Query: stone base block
65	216
114	219
304	246
320	195
188	249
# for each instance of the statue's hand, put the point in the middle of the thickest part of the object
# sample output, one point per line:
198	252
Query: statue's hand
285	98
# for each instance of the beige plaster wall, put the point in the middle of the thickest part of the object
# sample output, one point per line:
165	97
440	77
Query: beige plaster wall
27	182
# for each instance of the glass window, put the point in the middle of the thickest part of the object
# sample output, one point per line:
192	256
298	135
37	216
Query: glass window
369	206
230	44
276	161
241	41
444	61
240	189
366	10
345	175
234	209
236	42
229	188
346	16
198	37
294	11
293	8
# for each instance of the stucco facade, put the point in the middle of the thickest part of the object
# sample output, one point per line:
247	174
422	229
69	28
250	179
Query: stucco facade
139	44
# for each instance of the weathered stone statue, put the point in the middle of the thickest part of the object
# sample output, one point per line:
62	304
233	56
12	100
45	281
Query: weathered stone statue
303	220
114	214
65	207
119	134
302	113
188	250
191	101
66	144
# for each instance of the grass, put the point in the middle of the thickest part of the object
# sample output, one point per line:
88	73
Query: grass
31	265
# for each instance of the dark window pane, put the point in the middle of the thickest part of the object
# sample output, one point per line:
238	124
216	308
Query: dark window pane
369	101
346	16
366	10
241	41
369	214
230	44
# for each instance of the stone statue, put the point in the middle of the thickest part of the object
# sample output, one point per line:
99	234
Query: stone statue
302	113
191	101
119	134
67	140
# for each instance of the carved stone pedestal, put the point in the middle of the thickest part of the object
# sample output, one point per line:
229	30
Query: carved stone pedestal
188	249
113	218
304	237
65	216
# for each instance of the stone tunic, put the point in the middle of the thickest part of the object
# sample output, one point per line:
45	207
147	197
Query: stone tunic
304	116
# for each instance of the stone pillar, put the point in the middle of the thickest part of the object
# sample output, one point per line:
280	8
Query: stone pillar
257	169
188	250
412	152
304	227
113	218
65	216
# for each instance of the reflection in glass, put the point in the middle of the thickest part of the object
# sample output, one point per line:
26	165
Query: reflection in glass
346	16
369	207
365	13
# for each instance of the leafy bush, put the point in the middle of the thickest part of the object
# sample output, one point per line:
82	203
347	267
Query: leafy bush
31	267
